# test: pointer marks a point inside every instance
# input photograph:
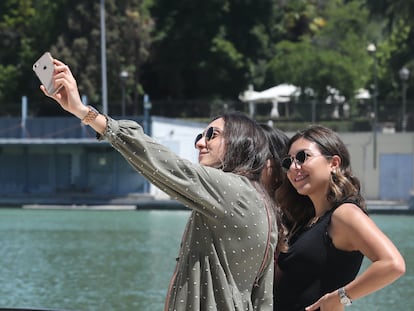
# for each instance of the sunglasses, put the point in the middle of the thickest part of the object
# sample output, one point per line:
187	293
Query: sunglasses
300	158
209	134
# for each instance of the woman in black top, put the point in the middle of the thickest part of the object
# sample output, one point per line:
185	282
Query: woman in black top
328	229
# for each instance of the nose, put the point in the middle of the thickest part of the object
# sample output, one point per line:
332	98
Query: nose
296	163
201	143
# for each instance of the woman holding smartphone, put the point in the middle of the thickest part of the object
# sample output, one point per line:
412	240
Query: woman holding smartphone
226	256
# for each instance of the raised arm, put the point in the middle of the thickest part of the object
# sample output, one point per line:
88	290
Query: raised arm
198	187
69	99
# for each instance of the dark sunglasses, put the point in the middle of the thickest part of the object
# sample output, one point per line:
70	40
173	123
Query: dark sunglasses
207	133
299	158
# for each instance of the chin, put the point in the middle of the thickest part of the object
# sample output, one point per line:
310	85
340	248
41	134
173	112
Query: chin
204	163
302	191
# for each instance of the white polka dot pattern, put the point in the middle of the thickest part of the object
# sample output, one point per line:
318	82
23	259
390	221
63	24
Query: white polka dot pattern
226	238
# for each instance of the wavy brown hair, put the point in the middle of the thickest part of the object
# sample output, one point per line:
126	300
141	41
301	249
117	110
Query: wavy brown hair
298	209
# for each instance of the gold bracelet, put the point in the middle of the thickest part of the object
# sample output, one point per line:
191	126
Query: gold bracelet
90	116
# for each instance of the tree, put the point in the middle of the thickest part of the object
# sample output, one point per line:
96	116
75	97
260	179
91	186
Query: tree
208	49
396	47
26	28
333	54
128	28
392	10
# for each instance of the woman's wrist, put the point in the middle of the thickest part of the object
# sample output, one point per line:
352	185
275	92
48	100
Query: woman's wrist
82	112
90	116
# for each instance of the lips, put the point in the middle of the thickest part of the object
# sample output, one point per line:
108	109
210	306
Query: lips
201	155
300	177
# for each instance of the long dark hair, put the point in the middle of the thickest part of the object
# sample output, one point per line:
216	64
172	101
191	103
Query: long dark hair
343	187
246	148
278	141
246	153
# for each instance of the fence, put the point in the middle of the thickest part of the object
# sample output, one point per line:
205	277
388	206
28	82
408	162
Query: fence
358	114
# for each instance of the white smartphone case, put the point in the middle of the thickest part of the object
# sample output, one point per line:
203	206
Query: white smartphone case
44	68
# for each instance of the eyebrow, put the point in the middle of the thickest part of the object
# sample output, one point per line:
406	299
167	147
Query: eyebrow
304	150
214	129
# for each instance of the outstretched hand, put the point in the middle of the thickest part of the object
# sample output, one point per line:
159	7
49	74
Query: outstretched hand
68	94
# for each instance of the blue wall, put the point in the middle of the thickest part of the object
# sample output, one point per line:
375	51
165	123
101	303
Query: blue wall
48	156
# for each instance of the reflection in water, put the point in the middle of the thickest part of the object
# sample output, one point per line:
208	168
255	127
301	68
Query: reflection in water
123	260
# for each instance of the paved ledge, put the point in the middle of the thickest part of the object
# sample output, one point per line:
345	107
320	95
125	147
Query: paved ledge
141	205
148	202
389	207
80	207
90	202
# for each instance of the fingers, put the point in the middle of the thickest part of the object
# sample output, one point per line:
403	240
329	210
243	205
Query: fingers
326	302
63	76
61	67
42	87
67	94
58	62
313	307
62	71
55	96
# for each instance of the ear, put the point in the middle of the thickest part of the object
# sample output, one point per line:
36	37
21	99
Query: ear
335	162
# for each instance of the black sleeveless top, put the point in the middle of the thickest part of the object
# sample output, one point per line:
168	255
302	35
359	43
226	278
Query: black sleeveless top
313	267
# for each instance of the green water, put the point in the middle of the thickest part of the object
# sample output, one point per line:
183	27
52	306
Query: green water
123	260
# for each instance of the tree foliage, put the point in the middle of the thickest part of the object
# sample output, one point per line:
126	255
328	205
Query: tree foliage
128	28
26	27
333	54
396	48
209	50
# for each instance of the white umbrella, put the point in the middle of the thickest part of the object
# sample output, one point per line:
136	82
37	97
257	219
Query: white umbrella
362	94
336	99
281	93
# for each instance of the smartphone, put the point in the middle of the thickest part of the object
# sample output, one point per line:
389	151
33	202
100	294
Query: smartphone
44	68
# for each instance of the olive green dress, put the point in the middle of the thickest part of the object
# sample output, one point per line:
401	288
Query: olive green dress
225	261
